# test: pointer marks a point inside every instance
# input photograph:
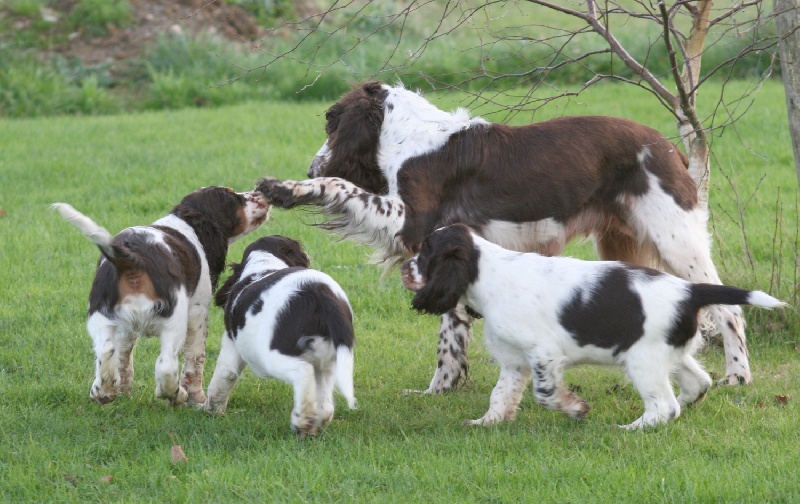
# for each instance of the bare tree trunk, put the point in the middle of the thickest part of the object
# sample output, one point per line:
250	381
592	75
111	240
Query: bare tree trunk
787	20
691	130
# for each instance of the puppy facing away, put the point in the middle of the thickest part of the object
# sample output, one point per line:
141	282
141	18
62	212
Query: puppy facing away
289	322
545	314
158	280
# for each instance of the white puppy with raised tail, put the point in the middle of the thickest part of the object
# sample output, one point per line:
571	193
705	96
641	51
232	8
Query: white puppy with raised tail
546	314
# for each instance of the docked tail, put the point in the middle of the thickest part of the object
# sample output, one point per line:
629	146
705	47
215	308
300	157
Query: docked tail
710	294
344	374
88	227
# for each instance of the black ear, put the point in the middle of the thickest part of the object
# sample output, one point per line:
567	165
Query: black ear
291	252
221	296
449	276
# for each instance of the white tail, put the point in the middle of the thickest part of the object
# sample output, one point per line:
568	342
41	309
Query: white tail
764	300
88	227
344	374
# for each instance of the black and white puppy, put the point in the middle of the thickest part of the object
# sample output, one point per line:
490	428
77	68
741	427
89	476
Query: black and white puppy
158	280
289	322
546	314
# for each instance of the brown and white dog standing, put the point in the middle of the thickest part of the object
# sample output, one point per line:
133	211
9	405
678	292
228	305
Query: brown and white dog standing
157	280
394	168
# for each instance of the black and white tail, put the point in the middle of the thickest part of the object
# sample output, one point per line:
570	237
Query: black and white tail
97	234
710	294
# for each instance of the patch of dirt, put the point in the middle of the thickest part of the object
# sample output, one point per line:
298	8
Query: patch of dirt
152	18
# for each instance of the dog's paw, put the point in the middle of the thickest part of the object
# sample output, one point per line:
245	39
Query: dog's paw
196	399
479	422
279	193
736	379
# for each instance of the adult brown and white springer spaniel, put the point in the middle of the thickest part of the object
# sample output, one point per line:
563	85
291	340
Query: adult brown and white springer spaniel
158	280
289	322
543	315
394	168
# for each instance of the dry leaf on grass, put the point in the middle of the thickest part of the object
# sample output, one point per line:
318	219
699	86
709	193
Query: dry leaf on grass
177	454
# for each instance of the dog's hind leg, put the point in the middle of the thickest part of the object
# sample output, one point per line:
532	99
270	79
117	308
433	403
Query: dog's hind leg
107	364
229	367
692	380
125	347
684	247
325	376
455	335
300	375
173	336
195	356
649	370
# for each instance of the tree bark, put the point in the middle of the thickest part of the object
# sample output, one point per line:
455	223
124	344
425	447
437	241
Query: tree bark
787	20
695	141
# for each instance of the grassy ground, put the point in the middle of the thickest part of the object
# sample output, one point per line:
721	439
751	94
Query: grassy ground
55	445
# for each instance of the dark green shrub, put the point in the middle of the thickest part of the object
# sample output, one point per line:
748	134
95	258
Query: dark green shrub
95	16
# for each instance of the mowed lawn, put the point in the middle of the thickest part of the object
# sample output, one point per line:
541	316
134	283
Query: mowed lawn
739	445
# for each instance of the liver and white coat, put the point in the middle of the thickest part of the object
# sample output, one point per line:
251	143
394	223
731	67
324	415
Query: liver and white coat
394	168
158	280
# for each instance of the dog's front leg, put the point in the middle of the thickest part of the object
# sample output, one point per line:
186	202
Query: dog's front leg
455	335
370	219
229	367
506	395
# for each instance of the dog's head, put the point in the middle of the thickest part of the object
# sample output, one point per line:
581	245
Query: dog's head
233	214
287	250
444	268
354	128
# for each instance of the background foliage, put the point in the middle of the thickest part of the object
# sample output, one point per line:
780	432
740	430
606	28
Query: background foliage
188	69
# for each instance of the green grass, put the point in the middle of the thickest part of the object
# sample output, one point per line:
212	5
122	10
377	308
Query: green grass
739	445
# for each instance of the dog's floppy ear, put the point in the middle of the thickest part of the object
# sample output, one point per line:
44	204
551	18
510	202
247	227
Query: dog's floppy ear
354	128
449	262
291	252
221	296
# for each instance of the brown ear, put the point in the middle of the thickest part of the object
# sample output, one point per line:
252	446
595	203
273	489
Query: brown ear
354	128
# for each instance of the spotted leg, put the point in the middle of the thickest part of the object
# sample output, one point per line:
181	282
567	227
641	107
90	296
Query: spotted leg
194	352
515	374
370	219
551	391
455	335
